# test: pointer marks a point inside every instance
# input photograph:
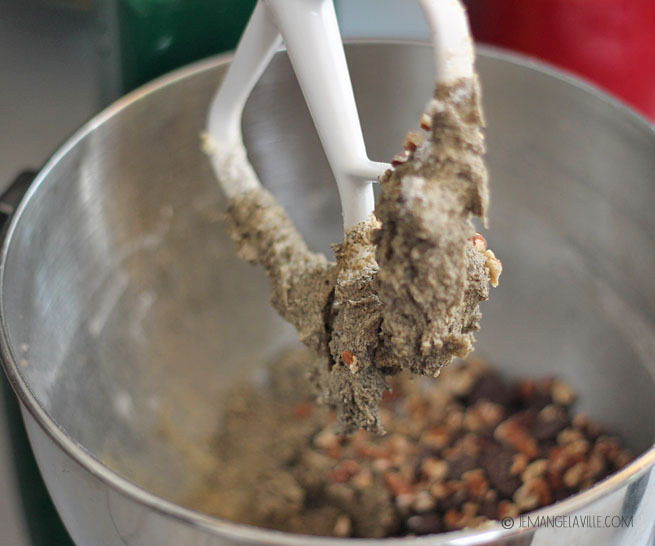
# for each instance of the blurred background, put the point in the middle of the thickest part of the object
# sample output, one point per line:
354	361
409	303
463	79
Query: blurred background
61	61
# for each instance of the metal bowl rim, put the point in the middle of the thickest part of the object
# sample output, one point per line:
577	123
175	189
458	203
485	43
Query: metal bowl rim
493	531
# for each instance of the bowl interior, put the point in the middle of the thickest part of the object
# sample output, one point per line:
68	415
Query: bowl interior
128	313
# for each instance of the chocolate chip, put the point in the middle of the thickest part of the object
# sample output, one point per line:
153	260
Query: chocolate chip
493	388
458	465
496	462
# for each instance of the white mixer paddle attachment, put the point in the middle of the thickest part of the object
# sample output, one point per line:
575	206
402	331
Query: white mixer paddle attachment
405	288
311	33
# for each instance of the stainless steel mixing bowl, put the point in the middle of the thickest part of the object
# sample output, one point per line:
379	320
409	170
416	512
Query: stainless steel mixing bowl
125	313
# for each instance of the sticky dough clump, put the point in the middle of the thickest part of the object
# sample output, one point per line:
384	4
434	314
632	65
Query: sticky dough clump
405	289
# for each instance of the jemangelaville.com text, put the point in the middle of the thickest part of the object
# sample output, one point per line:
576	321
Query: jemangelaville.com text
573	521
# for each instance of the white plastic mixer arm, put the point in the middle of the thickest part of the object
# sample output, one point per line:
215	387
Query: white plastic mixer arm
261	39
313	40
451	39
311	33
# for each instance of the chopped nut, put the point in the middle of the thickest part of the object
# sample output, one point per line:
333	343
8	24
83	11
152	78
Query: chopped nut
526	388
507	509
560	459
476	483
404	502
569	436
519	464
468	445
550	413
454	519
413	140
553	477
574	475
342	527
426	122
592	429
470	508
437	437
490	412
455	420
551	420
364	449
577	448
607	446
479	242
490	496
513	434
439	490
534	470
326	440
459	519
495	267
562	394
541	487
381	465
457	493
400	158
363	479
424	502
459	381
397	443
595	466
396	483
350	360
526	497
472	420
344	471
434	469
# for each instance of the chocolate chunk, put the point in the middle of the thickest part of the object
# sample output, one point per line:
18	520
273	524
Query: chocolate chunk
496	462
491	387
458	465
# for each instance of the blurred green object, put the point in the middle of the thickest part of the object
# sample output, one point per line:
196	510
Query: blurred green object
156	36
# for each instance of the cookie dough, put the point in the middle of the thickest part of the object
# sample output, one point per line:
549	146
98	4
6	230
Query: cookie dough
405	289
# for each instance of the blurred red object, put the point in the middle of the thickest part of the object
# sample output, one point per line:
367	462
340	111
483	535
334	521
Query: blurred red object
610	42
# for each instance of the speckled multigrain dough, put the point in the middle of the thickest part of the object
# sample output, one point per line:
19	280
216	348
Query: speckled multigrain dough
406	286
302	282
431	278
276	480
